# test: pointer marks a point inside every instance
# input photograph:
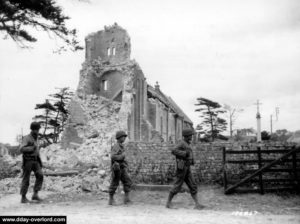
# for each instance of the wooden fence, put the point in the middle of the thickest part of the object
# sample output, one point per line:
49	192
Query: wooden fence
284	162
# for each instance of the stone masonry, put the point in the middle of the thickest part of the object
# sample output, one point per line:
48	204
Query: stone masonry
154	163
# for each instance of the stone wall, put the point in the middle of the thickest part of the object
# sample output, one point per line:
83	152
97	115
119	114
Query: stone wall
154	163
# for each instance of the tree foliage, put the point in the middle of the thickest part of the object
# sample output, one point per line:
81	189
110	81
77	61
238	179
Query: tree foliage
210	111
265	136
54	115
232	114
281	135
18	17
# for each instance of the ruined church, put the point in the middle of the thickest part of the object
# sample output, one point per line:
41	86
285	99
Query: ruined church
113	94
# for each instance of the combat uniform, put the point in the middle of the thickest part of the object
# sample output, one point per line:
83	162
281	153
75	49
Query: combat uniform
184	160
119	169
31	162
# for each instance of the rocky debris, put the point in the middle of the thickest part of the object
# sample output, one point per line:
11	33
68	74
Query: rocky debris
86	168
94	134
91	153
3	150
97	137
95	180
10	185
9	166
92	180
54	156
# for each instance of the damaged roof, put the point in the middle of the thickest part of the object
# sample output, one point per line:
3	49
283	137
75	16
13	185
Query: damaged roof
168	101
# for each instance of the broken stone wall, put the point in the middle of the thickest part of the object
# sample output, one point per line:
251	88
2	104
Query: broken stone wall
111	44
90	113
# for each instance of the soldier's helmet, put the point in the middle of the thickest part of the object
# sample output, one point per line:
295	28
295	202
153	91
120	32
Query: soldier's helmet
187	132
35	126
120	134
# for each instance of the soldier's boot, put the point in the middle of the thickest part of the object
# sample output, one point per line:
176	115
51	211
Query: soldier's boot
24	199
36	197
197	204
126	198
111	200
169	202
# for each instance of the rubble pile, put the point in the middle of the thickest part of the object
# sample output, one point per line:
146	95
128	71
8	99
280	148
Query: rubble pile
91	158
92	180
9	166
10	185
88	155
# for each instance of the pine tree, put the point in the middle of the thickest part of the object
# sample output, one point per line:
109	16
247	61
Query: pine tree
212	123
55	115
60	102
44	119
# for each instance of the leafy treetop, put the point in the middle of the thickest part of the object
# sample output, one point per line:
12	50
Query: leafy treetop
18	16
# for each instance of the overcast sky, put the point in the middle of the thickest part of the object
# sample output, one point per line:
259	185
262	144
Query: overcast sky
232	52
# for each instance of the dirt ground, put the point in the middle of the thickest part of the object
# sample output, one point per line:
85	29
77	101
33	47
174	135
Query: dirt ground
148	207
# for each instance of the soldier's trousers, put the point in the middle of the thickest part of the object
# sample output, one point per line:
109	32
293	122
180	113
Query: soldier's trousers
116	177
31	165
184	175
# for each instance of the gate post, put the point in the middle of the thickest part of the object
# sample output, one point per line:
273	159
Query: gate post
261	185
224	168
295	169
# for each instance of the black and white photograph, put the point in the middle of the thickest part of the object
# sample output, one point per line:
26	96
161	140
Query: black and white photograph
147	112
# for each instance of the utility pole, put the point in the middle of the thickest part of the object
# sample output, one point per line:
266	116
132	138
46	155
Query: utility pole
271	118
277	112
271	122
231	114
258	122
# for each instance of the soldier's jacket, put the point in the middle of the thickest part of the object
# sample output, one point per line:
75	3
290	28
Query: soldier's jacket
118	155
184	154
30	149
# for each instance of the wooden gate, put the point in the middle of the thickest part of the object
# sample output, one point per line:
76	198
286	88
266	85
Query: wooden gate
270	166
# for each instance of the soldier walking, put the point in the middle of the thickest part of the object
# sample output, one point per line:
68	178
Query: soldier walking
119	169
184	161
31	162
